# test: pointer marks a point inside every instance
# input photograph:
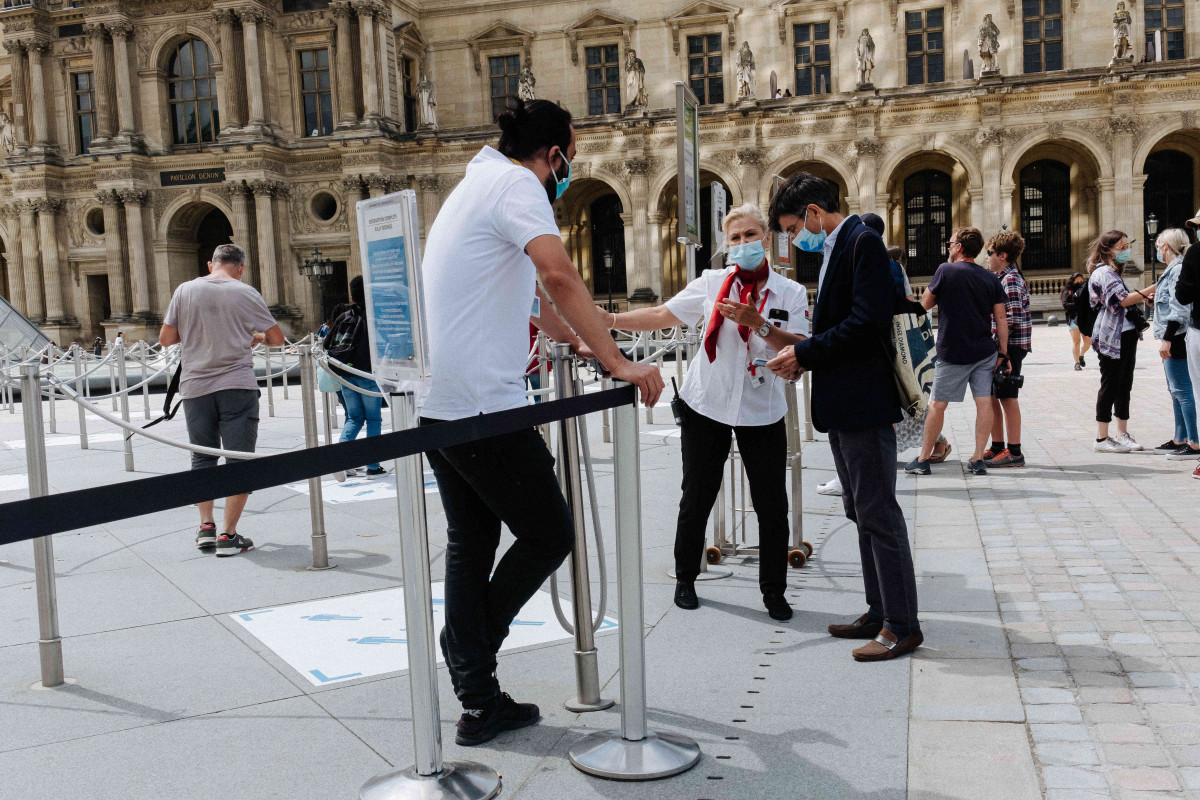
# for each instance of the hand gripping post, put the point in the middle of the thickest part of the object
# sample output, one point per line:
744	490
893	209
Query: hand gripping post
308	388
429	778
633	753
587	670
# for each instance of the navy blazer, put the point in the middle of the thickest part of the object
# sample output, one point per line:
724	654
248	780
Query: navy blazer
853	384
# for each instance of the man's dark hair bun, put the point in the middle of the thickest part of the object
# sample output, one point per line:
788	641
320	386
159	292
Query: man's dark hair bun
527	127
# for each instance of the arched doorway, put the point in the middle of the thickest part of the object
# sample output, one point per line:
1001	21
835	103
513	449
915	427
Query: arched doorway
590	217
608	248
807	266
193	233
928	220
1169	192
214	230
1045	192
674	259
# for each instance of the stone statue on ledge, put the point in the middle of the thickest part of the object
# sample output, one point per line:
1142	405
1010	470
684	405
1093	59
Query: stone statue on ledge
635	79
745	73
989	47
1121	27
8	134
864	58
526	82
426	103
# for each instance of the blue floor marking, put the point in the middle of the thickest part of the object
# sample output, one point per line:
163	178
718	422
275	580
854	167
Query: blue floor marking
328	618
250	614
378	640
316	673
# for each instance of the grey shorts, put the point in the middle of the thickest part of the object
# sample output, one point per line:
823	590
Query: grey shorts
950	380
227	419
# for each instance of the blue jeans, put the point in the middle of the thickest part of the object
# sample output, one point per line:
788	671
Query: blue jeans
361	408
1179	384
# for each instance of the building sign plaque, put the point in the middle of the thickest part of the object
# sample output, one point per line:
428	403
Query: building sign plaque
187	177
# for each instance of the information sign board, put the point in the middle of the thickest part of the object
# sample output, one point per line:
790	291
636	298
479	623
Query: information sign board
720	205
687	126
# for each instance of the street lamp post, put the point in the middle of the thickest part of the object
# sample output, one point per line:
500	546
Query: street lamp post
1152	231
318	269
608	259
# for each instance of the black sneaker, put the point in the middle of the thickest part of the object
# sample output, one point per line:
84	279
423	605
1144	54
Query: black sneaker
777	607
232	544
1184	453
918	467
375	471
206	539
479	725
1082	363
1168	447
685	595
977	467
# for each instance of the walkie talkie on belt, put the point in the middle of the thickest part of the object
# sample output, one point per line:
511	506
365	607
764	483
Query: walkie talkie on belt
677	405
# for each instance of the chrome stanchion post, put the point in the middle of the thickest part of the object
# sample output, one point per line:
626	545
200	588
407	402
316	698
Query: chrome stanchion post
49	641
123	386
51	394
326	402
633	753
543	349
808	426
429	778
605	428
648	352
270	384
587	670
112	376
144	360
83	436
796	466
316	507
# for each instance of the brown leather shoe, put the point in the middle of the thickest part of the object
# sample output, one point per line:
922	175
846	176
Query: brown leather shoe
885	646
861	628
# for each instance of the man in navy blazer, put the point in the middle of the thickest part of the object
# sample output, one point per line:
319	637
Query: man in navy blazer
854	398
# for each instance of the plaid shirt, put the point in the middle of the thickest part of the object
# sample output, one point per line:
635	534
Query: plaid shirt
1106	290
1016	307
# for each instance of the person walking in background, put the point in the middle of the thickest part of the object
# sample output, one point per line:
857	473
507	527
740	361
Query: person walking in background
1187	293
348	342
1171	320
1073	295
1114	337
98	347
1003	250
899	264
216	319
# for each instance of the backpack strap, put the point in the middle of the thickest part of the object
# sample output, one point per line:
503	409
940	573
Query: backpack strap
172	390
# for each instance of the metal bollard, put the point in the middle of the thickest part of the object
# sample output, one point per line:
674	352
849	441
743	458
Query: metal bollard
605	428
83	440
800	550
112	376
633	753
587	669
326	403
270	385
49	641
123	384
429	778
51	396
144	360
287	376
308	385
543	348
808	426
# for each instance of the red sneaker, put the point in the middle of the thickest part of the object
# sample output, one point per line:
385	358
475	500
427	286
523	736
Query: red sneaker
1196	472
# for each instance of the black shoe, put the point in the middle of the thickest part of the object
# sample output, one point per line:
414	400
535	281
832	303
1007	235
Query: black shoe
977	467
206	539
231	544
918	467
777	607
374	471
685	595
1079	367
479	725
1082	363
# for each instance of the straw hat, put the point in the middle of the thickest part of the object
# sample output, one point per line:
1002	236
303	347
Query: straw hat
1194	222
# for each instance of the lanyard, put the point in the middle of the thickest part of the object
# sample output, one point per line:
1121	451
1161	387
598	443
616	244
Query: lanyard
761	306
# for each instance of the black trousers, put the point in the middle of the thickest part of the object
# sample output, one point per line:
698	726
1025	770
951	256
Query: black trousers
507	479
866	465
763	449
1116	380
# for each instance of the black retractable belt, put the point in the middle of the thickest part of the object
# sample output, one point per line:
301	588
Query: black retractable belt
172	390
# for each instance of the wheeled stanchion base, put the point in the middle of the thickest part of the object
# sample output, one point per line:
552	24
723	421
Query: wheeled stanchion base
458	780
659	755
579	707
711	574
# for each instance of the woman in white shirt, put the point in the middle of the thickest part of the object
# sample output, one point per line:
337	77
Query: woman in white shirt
751	313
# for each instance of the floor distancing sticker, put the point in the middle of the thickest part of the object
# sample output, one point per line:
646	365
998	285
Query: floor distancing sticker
356	490
69	438
361	635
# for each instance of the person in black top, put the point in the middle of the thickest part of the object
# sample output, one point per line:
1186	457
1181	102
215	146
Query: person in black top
1070	302
854	398
347	341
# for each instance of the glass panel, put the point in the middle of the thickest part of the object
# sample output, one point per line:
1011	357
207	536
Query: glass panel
1033	58
714	64
800	32
187	89
326	114
610	75
84	101
822	54
1054	58
322	58
933	41
714	43
697	87
323	79
311	121
614	100
1053	29
593	55
916	43
916	70
204	121
495	66
185	60
513	65
497	87
593	77
201	50
695	44
716	90
306	59
912	20
802	56
696	66
1175	49
1153	19
1175	17
189	123
934	67
610	53
1031	8
308	81
933	18
804	82
823	73
821	31
1052	8
594	102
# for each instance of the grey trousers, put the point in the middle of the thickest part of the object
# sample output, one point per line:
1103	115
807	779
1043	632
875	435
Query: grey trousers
866	466
226	420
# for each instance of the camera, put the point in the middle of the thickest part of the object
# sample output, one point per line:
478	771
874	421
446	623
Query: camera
1006	380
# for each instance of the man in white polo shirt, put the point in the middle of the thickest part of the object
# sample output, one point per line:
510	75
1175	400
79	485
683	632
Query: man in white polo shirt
494	237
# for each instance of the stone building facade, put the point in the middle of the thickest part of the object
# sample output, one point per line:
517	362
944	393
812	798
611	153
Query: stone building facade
138	135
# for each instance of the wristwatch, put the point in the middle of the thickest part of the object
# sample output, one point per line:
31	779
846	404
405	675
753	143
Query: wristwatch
764	330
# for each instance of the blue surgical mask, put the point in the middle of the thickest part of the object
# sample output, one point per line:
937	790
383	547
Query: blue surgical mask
1122	256
1161	260
808	241
747	255
561	184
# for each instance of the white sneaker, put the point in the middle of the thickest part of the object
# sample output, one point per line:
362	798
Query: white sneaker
1128	441
1111	445
833	487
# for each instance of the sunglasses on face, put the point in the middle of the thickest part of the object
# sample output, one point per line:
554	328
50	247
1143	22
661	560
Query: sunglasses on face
991	252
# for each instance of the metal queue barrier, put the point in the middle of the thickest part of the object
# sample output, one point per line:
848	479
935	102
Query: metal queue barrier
632	753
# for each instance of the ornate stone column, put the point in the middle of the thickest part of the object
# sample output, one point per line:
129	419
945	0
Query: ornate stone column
135	229
118	294
235	80
383	24
239	201
377	185
347	102
17	59
990	213
288	295
97	37
868	149
353	186
637	249
121	30
31	264
655	220
750	159
264	219
370	72
431	199
47	211
1128	216
37	87
250	18
16	267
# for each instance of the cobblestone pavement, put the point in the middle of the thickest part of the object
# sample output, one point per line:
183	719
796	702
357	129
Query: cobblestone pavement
1093	559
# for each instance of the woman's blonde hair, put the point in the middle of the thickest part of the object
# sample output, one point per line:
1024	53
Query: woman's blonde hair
1174	238
748	211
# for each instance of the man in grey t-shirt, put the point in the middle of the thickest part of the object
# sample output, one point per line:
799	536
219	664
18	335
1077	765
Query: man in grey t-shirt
217	319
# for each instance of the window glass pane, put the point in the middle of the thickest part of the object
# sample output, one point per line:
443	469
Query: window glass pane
185	60
1032	30
821	31
1053	56
187	90
594	104
201	57
804	81
308	81
933	41
916	43
1052	8
84	101
513	65
933	18
714	63
311	121
1153	18
1053	29
912	20
496	66
610	53
326	114
204	122
697	87
1031	8
822	79
822	54
610	75
801	32
933	65
322	58
614	100
1033	58
716	90
593	77
1175	45
323	79
916	70
497	87
1175	17
593	55
696	66
802	56
714	42
695	44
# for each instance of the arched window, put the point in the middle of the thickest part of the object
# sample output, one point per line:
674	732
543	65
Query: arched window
192	93
1168	192
608	242
1046	215
927	222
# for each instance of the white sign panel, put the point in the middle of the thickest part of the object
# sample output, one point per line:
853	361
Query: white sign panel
390	250
720	205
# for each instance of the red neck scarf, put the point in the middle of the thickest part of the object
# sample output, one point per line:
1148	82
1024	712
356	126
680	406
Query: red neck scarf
747	291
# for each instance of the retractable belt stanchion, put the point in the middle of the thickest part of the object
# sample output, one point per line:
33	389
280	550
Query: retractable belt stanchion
587	671
543	349
633	753
808	426
800	551
270	384
316	507
83	440
112	376
605	427
648	352
123	385
429	778
49	642
144	373
51	394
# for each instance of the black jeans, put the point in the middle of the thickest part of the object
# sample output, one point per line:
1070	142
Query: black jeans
507	479
1116	380
763	450
866	465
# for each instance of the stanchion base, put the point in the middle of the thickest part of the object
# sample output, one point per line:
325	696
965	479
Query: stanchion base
711	574
312	568
580	707
458	780
38	687
659	755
